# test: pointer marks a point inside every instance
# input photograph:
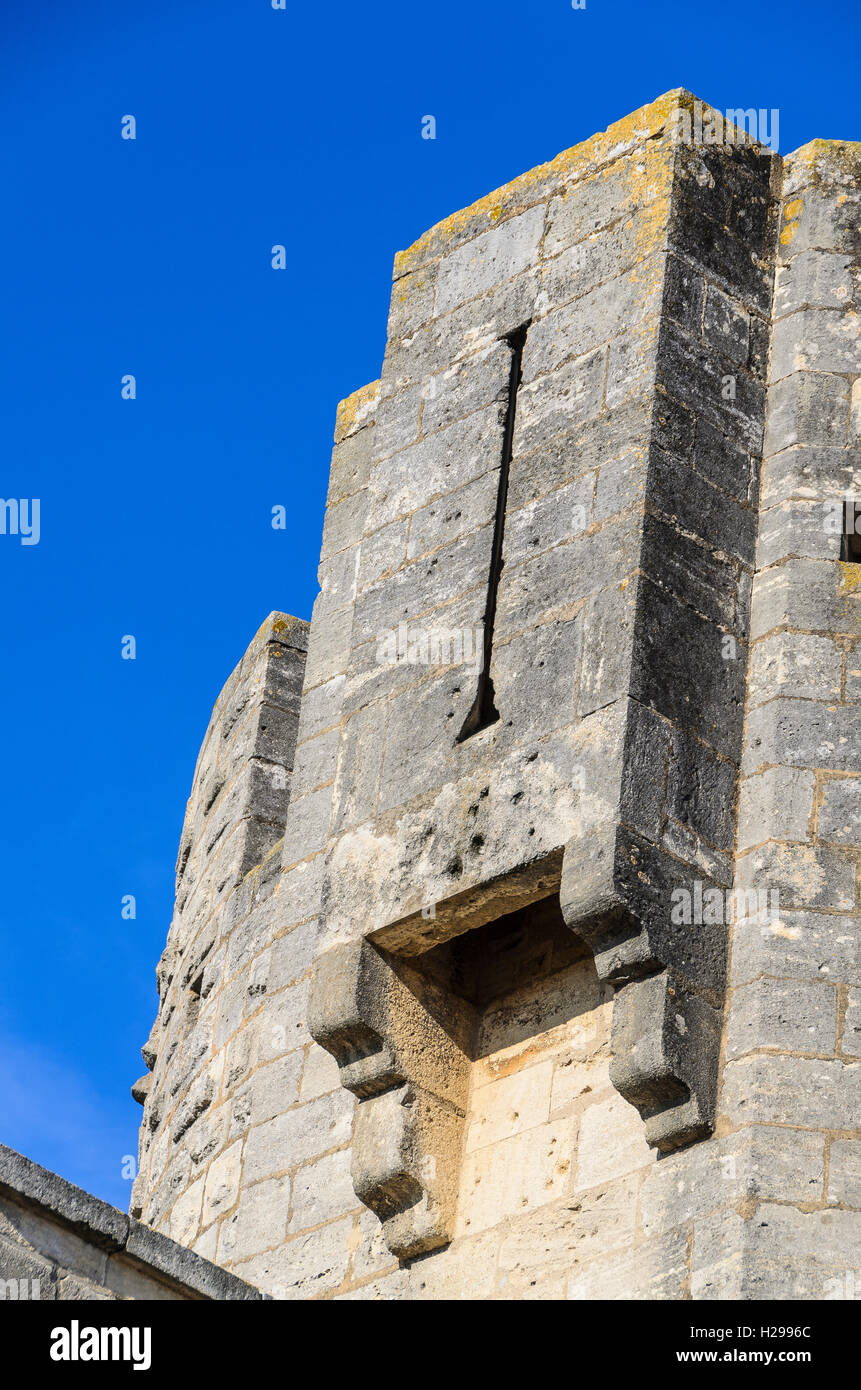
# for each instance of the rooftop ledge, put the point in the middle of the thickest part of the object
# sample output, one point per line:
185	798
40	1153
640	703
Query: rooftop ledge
110	1229
584	159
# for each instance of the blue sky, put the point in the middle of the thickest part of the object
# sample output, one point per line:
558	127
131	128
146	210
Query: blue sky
254	127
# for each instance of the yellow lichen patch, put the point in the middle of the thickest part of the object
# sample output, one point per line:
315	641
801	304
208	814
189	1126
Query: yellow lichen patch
791	212
276	624
582	159
650	230
824	160
824	149
356	410
850	577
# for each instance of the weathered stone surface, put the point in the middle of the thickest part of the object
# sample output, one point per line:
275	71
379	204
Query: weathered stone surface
490	258
503	901
783	1016
839	817
816	1094
844	1172
76	1246
799	945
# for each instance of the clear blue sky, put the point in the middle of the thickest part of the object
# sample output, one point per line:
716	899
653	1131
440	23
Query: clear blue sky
254	127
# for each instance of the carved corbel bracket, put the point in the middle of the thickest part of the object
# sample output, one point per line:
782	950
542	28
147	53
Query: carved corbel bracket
401	1046
616	894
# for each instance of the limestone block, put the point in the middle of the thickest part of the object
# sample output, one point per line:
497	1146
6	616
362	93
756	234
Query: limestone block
726	326
521	1172
611	1143
844	1172
570	394
222	1183
784	1016
322	1189
799	530
351	462
850	1037
320	1074
807	407
297	1135
800	945
509	1106
259	1224
839	816
811	876
437	464
494	256
815	341
303	1267
590	1224
185	1216
448	518
656	1269
775	1089
412	301
813	279
807	471
801	733
776	804
470	384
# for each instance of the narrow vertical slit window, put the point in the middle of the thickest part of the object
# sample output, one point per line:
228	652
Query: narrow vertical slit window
483	711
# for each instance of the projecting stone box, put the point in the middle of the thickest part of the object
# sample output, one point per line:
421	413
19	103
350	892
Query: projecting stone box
442	1011
535	480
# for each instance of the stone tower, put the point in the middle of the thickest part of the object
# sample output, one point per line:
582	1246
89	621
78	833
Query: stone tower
516	941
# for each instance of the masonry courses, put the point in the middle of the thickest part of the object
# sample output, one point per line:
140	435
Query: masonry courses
515	949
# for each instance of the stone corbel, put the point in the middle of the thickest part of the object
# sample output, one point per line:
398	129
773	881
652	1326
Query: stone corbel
404	1042
616	893
402	1048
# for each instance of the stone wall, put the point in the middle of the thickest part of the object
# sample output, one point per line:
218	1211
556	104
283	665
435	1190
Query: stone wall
628	554
793	1028
57	1242
208	1077
264	1163
463	1046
